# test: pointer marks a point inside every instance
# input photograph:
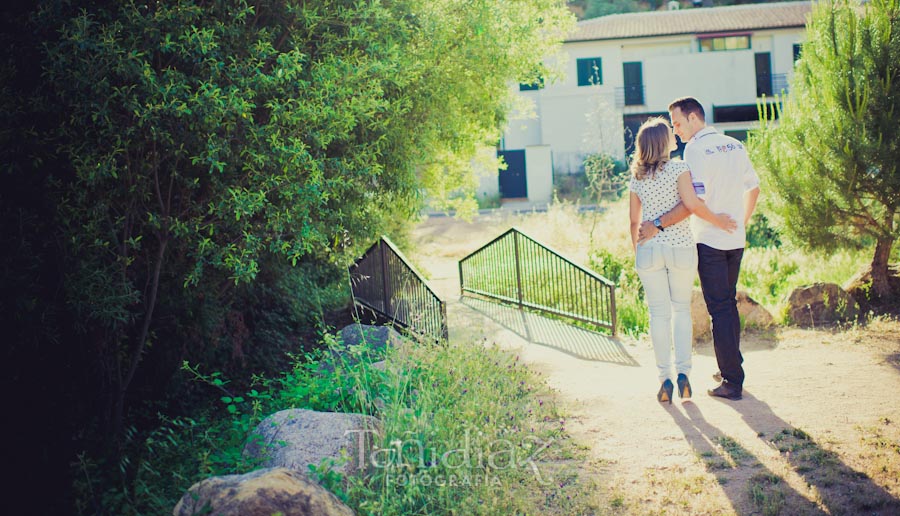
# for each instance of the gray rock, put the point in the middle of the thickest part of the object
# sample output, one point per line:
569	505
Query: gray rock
752	313
260	493
296	438
821	303
376	337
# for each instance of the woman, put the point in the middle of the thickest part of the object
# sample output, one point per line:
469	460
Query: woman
667	263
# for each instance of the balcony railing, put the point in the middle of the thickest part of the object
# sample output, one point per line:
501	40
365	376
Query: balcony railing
780	85
630	95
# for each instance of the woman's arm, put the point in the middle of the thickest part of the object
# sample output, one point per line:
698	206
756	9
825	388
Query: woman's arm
697	207
635	215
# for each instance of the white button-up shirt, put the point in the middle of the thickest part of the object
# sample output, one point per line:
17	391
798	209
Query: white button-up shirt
721	172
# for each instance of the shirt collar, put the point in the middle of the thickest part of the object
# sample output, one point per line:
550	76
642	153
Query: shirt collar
703	132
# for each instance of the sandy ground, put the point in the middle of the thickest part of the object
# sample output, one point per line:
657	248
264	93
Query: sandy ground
816	431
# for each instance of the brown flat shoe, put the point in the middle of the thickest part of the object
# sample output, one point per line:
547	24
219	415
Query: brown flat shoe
727	391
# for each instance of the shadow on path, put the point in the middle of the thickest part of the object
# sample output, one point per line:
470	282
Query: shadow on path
751	487
577	342
828	485
842	489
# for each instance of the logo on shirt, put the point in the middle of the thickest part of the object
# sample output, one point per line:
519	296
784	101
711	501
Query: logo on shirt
728	147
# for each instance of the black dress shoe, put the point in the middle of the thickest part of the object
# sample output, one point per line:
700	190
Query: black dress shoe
727	391
684	386
665	392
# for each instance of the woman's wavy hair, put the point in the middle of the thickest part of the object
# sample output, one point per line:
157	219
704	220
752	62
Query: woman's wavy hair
651	148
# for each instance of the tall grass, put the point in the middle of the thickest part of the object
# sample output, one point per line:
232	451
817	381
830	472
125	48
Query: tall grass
466	429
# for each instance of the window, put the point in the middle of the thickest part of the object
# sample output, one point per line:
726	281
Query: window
590	71
725	43
743	113
797	48
738	134
763	74
634	83
631	123
533	86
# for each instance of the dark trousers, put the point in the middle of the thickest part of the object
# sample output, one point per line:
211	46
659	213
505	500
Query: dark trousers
718	271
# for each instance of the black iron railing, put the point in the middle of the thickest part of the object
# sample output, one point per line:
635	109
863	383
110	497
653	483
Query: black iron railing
514	268
383	281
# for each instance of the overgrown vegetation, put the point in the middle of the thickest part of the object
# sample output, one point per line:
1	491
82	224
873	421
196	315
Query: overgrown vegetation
189	180
436	403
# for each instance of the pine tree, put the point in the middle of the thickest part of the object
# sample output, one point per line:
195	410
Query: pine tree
831	162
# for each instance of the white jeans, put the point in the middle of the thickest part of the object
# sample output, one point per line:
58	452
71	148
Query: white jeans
667	274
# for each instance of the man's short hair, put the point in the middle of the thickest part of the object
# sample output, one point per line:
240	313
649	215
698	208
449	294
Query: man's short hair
688	105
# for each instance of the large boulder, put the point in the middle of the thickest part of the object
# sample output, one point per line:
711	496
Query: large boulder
821	303
296	438
263	492
752	313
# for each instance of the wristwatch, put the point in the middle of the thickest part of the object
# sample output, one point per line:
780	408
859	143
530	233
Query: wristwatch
658	224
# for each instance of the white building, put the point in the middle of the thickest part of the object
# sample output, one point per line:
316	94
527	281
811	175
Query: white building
625	68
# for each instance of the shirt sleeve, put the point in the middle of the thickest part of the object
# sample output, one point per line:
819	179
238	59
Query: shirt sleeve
681	169
751	180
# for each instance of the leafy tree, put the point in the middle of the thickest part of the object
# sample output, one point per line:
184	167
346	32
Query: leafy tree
832	159
181	146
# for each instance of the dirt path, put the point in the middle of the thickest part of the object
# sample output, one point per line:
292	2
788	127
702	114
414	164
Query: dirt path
816	433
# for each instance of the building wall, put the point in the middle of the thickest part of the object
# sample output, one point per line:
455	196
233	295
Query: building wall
539	173
577	120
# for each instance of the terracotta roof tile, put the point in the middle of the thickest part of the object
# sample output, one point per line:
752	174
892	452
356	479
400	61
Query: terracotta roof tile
694	21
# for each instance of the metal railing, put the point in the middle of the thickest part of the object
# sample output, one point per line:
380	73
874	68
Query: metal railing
383	281
514	268
632	95
780	84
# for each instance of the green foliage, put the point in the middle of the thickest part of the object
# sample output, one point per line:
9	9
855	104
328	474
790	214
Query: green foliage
632	315
760	232
832	160
595	8
606	176
187	177
769	275
432	400
190	175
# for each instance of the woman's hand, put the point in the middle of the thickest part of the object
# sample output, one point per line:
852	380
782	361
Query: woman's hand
725	222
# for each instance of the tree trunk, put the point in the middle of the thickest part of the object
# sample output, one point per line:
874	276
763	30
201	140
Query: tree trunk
135	359
880	272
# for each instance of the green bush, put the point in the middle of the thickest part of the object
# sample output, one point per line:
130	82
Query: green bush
632	315
437	404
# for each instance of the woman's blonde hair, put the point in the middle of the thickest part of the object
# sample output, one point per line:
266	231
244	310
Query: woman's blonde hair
651	148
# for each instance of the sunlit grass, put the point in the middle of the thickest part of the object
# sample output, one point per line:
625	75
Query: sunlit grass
601	239
466	429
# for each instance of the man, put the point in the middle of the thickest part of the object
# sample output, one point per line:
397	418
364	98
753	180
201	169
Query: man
724	178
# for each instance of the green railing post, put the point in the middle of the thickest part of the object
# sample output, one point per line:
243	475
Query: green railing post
518	267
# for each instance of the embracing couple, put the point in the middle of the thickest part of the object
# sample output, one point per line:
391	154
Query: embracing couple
717	184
